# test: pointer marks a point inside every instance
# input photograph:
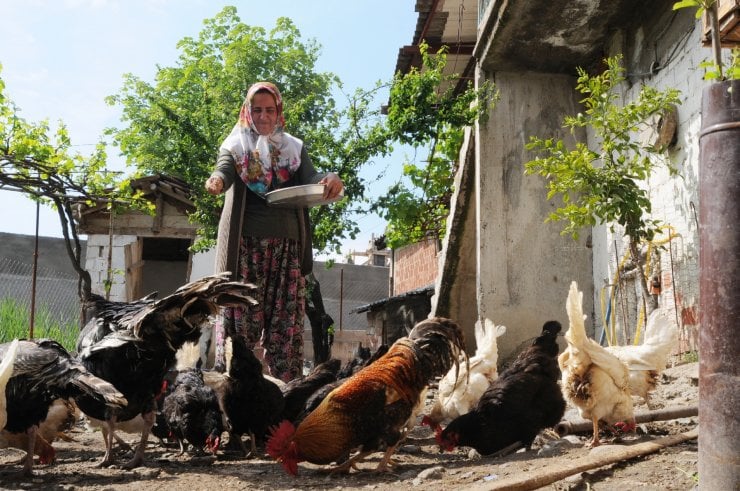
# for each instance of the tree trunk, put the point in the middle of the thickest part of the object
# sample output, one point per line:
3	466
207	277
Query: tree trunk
320	320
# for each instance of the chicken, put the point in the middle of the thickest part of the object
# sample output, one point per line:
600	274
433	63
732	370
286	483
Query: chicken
315	399
648	360
459	392
133	345
524	399
192	413
593	379
61	417
42	372
251	402
6	371
372	409
297	392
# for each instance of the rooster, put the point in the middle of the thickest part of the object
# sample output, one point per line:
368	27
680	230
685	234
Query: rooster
522	401
648	360
192	413
251	402
133	345
374	408
44	371
593	379
459	392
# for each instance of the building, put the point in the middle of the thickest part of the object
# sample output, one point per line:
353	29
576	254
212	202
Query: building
500	259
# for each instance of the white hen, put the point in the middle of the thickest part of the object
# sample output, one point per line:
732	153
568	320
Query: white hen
647	360
594	380
6	371
460	390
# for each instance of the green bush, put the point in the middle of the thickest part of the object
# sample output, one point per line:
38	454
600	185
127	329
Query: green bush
15	319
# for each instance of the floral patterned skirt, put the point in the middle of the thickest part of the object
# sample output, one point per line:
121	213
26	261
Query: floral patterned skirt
276	322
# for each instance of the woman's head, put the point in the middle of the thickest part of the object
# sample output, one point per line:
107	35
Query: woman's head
263	108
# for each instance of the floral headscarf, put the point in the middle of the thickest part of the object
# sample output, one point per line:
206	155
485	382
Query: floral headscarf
263	162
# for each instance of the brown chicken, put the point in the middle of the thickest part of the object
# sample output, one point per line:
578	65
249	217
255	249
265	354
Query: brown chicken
593	379
61	418
373	409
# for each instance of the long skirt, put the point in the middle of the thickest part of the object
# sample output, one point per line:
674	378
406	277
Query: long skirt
276	322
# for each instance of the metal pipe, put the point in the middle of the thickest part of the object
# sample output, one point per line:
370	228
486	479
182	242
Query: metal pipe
719	286
34	275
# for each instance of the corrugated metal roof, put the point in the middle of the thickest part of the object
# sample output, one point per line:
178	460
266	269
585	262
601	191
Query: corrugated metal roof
424	290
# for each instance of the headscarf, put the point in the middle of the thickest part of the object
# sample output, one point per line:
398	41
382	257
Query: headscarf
263	162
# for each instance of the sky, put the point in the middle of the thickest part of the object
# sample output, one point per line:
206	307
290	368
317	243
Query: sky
61	58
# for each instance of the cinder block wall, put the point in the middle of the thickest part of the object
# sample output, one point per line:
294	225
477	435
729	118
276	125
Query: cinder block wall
415	266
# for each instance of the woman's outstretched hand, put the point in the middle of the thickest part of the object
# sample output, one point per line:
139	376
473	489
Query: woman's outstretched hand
332	185
214	185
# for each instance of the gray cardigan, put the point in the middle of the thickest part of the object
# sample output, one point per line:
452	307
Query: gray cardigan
232	224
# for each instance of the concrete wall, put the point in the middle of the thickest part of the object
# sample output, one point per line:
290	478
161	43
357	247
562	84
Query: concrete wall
524	265
663	58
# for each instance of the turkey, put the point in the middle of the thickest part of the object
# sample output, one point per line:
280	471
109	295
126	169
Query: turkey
133	345
44	371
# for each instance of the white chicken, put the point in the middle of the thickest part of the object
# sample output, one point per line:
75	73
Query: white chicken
459	391
648	360
6	371
593	379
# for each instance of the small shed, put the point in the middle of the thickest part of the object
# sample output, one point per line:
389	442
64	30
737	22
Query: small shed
138	253
393	317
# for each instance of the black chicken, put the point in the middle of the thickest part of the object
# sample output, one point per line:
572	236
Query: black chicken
192	413
525	399
251	403
133	345
296	392
44	371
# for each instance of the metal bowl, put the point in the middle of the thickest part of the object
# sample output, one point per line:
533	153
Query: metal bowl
303	196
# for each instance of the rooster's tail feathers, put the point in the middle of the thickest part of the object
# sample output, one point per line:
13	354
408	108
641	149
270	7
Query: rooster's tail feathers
661	329
576	334
486	333
441	341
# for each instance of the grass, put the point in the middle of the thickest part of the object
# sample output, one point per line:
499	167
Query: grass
15	320
691	356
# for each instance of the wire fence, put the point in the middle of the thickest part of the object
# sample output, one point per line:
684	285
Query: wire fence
56	291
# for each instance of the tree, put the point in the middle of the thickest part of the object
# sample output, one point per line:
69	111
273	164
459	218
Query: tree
38	162
603	187
421	114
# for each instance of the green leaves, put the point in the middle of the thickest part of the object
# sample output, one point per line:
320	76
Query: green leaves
422	114
604	186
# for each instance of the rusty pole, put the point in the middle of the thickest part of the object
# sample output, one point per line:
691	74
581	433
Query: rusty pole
719	287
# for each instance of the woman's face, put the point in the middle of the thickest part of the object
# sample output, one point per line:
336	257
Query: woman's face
264	113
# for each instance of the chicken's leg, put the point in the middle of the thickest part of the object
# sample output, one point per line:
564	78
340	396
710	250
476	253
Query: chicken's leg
595	440
348	464
138	457
108	432
31	444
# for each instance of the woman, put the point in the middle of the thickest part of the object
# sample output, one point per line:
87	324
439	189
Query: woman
270	247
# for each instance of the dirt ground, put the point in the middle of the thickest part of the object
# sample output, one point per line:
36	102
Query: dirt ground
421	464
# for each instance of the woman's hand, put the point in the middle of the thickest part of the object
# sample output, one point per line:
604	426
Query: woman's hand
214	185
332	185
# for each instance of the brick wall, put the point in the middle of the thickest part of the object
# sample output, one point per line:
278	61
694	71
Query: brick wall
415	266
